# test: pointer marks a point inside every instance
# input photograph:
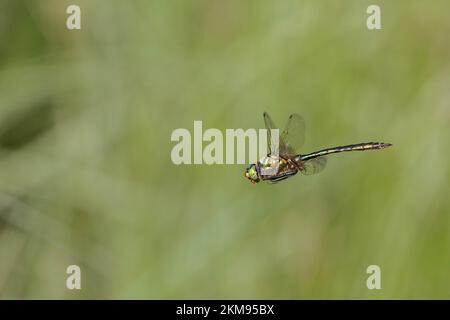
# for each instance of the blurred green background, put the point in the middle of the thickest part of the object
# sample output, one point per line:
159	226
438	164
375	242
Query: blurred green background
85	169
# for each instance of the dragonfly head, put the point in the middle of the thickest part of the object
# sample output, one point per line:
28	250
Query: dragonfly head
251	173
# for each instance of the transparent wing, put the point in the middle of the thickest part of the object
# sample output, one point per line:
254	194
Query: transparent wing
270	125
314	166
293	136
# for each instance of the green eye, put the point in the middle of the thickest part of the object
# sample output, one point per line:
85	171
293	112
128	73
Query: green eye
253	173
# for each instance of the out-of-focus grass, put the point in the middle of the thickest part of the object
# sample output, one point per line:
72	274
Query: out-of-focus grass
85	170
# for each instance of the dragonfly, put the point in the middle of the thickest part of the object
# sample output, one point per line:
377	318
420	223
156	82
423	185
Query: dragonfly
287	162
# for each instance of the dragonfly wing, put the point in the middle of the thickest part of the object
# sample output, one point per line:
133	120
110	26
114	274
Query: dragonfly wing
270	125
293	136
314	166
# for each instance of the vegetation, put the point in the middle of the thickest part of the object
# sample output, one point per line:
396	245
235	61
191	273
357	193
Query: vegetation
85	171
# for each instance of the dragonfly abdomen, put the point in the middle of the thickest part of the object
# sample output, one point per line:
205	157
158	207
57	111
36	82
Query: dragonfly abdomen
351	147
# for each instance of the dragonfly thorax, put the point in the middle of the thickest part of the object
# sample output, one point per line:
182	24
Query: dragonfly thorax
271	168
270	165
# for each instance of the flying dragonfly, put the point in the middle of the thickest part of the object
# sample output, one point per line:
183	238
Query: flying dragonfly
287	162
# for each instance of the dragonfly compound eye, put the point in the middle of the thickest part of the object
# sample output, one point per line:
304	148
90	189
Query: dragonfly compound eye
251	173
